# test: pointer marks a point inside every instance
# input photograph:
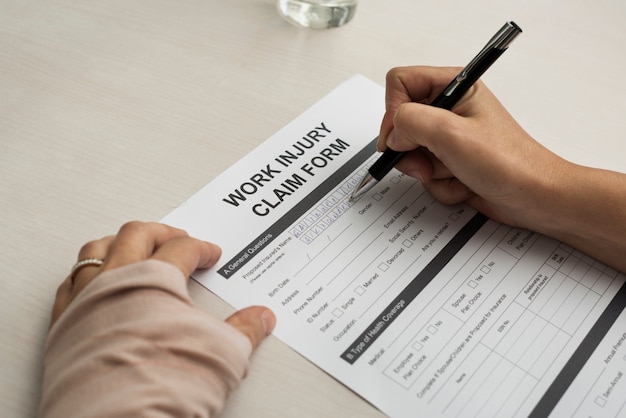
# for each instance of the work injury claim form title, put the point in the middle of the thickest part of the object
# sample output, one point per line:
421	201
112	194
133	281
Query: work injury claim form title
419	307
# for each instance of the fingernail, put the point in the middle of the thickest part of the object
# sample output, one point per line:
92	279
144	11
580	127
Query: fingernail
391	139
269	321
380	146
416	174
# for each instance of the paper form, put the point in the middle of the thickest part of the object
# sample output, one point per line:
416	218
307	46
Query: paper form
423	309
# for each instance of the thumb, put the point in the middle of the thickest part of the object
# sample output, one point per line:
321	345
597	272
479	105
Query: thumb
255	322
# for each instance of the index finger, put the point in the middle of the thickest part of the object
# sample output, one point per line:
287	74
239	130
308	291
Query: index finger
188	254
411	84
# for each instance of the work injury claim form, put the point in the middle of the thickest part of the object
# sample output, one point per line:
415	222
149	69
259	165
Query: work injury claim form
422	309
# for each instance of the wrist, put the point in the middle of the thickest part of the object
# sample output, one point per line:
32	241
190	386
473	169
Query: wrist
554	205
586	208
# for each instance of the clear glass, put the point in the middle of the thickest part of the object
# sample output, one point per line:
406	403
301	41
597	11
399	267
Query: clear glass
317	14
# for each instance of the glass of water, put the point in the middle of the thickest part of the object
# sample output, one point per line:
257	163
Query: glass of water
317	14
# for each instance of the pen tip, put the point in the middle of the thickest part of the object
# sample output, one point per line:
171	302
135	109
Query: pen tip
364	185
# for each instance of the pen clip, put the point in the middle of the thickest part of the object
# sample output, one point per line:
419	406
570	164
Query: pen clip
500	41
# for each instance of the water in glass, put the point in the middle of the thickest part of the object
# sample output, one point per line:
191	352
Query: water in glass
317	14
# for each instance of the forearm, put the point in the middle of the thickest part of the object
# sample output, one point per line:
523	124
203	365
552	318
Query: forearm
479	154
586	208
132	344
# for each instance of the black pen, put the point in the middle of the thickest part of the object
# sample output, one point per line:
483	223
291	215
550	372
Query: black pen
446	99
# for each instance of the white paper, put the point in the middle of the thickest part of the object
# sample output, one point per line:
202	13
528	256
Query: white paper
422	309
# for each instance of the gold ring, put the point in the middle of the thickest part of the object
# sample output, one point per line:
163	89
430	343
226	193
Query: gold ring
84	263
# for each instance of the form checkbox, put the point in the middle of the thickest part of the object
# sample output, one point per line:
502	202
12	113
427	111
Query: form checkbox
600	401
472	284
338	313
377	196
485	269
432	329
395	180
407	243
454	217
383	266
417	346
359	290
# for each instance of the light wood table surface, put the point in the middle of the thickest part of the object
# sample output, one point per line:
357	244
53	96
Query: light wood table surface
117	110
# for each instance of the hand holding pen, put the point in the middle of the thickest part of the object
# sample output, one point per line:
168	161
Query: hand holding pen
446	99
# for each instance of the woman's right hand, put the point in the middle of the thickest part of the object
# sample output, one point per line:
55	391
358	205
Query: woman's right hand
476	153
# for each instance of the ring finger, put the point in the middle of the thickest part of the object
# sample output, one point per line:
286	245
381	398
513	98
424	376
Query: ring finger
78	279
96	249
